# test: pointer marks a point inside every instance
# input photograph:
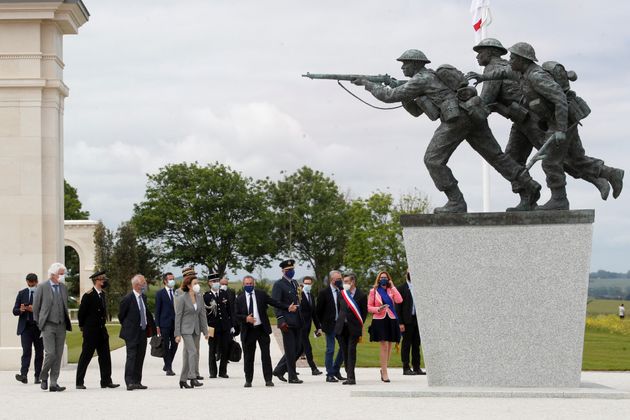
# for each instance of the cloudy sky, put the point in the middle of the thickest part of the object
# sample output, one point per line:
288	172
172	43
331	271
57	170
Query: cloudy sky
155	82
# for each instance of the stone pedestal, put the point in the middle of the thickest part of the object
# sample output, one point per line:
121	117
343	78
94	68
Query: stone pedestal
32	94
501	297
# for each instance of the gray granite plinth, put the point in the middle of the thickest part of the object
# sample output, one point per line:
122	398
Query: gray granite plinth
501	297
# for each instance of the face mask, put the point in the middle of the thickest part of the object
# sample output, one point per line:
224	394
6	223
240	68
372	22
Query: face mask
196	288
289	274
307	288
32	289
143	290
105	285
215	286
347	287
339	283
171	283
383	282
248	289
224	287
62	278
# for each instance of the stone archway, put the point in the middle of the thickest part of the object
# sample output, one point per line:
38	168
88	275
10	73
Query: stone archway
79	234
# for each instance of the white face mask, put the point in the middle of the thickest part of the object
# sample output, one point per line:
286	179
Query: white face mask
196	288
347	287
62	278
224	287
171	283
32	289
215	286
307	288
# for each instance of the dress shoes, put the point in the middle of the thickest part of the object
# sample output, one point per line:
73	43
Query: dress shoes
409	372
295	381
316	372
131	387
56	388
269	383
44	384
140	386
331	379
170	373
349	382
212	376
248	385
110	385
281	377
81	387
183	384
223	375
21	378
195	383
338	376
37	380
199	378
419	372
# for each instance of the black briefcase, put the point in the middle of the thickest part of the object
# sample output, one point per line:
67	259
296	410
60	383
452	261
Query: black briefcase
157	346
235	352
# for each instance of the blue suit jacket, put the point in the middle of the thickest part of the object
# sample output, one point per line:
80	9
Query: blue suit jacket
164	310
22	298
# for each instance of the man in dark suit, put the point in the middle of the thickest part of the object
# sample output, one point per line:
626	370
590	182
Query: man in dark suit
409	328
50	311
30	335
165	320
231	299
307	308
251	313
92	320
285	291
327	314
136	324
349	325
219	315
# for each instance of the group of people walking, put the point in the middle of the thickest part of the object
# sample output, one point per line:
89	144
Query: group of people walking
184	315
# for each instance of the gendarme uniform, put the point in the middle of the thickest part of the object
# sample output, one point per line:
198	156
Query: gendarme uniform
426	93
219	315
92	319
526	133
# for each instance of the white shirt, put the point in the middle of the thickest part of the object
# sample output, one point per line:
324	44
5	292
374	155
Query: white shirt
622	311
413	307
256	315
335	294
139	296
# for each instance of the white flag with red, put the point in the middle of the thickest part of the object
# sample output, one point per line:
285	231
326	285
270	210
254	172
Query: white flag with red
481	17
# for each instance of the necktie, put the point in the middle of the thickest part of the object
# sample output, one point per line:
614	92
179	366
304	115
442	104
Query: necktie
250	308
308	299
143	315
170	292
336	304
56	288
30	302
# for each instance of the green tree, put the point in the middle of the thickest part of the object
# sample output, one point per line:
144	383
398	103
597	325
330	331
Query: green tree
310	219
72	205
104	246
375	237
210	216
124	264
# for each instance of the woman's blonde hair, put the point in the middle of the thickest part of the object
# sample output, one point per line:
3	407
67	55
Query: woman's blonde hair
378	278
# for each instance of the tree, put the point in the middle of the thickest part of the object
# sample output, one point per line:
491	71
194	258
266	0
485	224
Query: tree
72	205
124	263
310	219
375	237
210	216
103	247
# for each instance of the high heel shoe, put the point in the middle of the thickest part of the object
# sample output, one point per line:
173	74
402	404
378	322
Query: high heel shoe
384	380
183	384
195	383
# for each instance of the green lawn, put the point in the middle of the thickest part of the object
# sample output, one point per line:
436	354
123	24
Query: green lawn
604	306
74	340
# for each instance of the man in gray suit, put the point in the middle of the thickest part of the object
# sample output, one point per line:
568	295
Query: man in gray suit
50	311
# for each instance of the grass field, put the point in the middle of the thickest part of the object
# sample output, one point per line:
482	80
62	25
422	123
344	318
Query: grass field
604	306
74	340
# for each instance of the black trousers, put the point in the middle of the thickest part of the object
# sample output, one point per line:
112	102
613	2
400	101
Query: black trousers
30	338
219	345
305	347
291	342
170	346
411	342
136	351
95	340
349	346
257	335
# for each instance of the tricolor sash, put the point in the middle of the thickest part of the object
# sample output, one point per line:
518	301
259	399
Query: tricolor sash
354	308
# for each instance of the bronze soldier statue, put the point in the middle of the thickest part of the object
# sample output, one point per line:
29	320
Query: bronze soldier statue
505	96
444	94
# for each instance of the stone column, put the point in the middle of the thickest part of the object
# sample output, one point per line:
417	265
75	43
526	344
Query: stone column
32	94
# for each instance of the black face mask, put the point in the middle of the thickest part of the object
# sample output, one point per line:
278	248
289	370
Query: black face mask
339	284
105	284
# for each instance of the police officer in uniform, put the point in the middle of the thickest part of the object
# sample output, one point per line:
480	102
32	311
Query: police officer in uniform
427	93
219	314
505	97
285	291
92	320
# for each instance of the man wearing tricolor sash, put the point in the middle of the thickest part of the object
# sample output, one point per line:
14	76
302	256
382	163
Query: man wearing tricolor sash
349	325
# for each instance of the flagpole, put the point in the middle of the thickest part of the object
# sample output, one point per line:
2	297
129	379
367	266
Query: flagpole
485	168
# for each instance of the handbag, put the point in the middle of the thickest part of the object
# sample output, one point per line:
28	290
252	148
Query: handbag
235	352
157	346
